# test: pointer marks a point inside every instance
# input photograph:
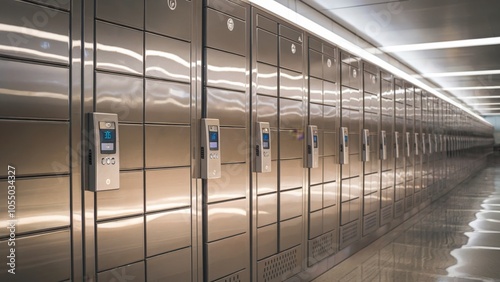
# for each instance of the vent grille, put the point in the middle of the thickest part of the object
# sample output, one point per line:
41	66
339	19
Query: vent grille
348	233
280	266
386	215
231	278
370	223
322	247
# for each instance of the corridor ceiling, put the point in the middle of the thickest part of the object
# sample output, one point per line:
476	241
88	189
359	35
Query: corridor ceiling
455	44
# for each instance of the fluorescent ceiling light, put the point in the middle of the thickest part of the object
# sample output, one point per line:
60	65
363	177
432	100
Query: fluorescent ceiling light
484	104
312	27
491	114
442	45
480	97
459	73
488	109
469	88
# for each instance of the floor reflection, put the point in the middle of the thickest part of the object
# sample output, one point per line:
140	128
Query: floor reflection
459	240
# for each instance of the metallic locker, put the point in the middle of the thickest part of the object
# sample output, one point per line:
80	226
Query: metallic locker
278	99
399	164
323	183
351	173
409	152
371	167
226	245
387	166
417	146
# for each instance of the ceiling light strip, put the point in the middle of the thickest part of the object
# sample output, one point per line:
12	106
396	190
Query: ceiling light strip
458	73
442	45
469	88
312	27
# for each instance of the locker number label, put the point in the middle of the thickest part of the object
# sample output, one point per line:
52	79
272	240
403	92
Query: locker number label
294	49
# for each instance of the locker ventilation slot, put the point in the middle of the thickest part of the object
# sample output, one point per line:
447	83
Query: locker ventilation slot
398	209
348	233
279	266
370	223
386	215
322	247
231	278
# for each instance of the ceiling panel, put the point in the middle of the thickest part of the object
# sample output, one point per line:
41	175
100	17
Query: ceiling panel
405	23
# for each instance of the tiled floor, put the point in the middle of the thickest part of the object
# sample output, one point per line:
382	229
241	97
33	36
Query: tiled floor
456	239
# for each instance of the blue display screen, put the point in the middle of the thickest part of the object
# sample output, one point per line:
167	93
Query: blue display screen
315	140
346	141
214	140
108	141
265	141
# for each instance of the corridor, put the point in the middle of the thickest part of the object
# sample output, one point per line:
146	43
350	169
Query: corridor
456	239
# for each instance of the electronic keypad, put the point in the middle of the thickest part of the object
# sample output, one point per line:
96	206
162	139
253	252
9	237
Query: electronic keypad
312	146
210	149
263	147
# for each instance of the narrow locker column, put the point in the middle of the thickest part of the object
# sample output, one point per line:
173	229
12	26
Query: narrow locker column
226	240
425	146
142	72
371	175
387	164
351	115
399	139
409	150
417	146
277	98
323	185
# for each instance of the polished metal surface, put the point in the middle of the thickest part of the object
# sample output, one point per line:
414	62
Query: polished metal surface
53	158
223	262
34	32
160	95
130	246
167	58
166	145
55	248
40	92
173	266
162	19
290	233
227	106
225	32
119	94
226	70
121	12
167	231
131	146
118	49
43	203
167	188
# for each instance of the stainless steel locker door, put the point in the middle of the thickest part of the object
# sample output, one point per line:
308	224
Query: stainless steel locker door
371	167
226	200
399	164
409	151
323	181
388	165
278	98
351	173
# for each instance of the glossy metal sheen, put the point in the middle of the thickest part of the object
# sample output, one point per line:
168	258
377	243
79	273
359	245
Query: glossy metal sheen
122	12
290	204
227	106
268	182
119	94
53	159
130	246
290	54
225	70
290	233
133	271
166	146
119	49
168	231
226	219
168	188
33	91
131	146
266	110
164	20
34	32
267	238
266	47
267	209
291	114
223	262
54	247
291	174
225	32
232	184
267	79
173	266
128	200
161	95
42	203
167	58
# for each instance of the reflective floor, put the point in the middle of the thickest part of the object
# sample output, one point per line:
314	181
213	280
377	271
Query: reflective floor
456	239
